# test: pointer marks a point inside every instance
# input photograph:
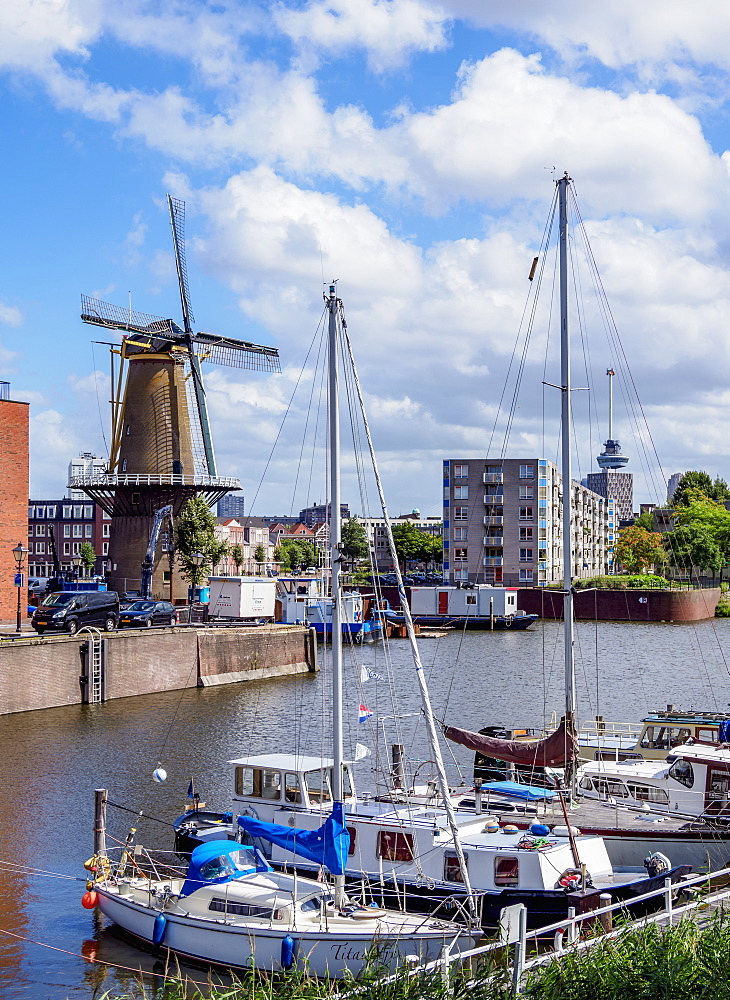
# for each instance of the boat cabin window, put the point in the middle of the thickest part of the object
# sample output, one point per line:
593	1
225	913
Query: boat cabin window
648	793
318	786
506	871
353	837
220	905
314	903
395	846
471	598
681	771
292	791
607	786
452	868
258	782
719	787
586	784
707	735
665	737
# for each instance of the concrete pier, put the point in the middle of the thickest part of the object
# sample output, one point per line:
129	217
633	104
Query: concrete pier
47	673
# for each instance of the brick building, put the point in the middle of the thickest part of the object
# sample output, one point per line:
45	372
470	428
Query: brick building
73	523
14	422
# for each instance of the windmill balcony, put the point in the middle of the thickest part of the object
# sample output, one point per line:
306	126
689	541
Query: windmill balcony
132	479
493	521
493	477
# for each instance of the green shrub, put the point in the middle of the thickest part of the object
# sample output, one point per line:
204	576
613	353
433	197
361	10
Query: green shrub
641	581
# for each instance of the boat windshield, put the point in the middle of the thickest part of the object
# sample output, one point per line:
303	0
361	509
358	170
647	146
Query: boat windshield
226	864
58	599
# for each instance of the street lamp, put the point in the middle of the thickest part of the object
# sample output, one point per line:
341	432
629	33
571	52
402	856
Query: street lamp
20	553
197	559
76	560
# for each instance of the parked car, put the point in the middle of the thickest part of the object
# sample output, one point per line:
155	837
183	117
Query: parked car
145	614
70	610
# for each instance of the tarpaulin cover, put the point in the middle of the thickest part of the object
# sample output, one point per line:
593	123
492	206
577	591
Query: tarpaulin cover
219	861
518	791
328	845
555	750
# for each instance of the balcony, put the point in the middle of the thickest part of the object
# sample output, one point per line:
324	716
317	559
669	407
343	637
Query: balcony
493	560
493	521
493	477
494	498
494	541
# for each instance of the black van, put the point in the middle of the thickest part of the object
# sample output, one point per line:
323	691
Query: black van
70	610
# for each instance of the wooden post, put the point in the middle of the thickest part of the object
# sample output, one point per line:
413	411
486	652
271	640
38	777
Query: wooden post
100	797
606	918
491	613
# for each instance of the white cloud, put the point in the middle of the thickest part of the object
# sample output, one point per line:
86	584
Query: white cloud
388	30
10	315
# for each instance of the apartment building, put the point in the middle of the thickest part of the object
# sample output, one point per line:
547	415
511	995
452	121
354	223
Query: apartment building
73	523
503	523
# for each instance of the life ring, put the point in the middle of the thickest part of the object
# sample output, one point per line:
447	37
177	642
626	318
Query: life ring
570	878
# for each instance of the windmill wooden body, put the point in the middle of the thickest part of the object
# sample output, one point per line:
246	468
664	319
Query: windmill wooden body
161	444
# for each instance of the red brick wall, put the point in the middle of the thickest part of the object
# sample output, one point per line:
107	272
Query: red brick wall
624	605
13	497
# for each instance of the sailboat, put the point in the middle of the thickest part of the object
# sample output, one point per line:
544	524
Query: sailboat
230	907
414	846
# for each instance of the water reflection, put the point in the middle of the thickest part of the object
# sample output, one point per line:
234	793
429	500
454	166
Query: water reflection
52	761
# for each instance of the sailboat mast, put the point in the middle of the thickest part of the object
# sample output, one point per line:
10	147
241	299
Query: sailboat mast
566	422
333	305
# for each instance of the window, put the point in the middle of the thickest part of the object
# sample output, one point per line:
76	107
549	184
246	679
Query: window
494	470
460	534
353	838
681	771
40	512
66	512
67	531
525	576
88	528
452	868
219	904
105	552
526	493
67	548
527	472
40	529
78	530
461	513
40	548
460	555
525	555
31	512
471	598
461	471
607	786
50	513
105	530
526	514
395	846
506	871
75	548
648	793
78	512
89	511
318	787
461	493
461	574
707	735
525	534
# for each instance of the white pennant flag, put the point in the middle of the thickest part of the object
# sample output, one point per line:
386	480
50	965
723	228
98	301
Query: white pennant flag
364	675
361	751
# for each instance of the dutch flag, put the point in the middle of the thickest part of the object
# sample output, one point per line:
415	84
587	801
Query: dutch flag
364	714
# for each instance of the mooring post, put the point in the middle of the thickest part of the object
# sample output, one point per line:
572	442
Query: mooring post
668	899
100	797
518	966
606	918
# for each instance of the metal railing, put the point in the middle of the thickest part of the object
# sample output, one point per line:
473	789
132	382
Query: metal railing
513	927
114	479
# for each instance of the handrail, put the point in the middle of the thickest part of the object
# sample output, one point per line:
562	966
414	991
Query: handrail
150	479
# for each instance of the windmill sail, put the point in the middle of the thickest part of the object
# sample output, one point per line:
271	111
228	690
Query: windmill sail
554	750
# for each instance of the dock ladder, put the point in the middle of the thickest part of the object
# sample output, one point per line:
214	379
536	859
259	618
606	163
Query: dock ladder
94	664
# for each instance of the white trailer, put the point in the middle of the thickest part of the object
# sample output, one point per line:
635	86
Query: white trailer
246	598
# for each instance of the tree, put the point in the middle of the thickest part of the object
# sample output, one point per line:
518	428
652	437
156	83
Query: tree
292	553
645	521
195	532
694	485
638	548
236	555
408	542
354	540
88	556
693	545
259	553
711	516
432	548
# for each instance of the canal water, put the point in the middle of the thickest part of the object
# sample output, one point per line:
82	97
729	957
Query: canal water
52	761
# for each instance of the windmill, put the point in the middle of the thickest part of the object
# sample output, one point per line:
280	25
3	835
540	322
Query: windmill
161	444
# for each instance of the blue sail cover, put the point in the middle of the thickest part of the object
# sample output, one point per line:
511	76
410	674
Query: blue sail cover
328	845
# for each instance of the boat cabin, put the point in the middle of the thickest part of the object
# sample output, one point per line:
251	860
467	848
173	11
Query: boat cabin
290	780
302	599
693	780
475	600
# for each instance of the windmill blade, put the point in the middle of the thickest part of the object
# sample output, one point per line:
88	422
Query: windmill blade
118	318
177	221
236	353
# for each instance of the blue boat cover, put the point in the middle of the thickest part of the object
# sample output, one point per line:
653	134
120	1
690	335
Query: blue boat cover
328	845
518	791
724	732
219	861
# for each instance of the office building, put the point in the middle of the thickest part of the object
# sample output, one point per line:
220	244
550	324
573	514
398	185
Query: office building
232	505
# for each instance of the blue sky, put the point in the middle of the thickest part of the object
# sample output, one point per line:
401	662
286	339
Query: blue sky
406	147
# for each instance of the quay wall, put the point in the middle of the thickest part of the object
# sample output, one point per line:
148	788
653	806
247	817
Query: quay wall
40	673
624	605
